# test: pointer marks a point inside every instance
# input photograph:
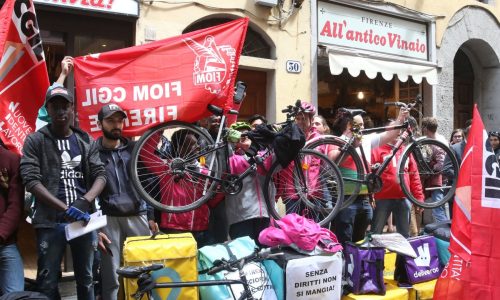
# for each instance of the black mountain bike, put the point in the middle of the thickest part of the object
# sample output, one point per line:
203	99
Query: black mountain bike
146	284
176	167
429	155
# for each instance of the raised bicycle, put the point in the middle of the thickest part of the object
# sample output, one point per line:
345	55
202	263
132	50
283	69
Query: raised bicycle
177	167
146	284
421	149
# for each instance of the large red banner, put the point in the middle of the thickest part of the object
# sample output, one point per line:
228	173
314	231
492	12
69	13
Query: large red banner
23	73
171	79
472	273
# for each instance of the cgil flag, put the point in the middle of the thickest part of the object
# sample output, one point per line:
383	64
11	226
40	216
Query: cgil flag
23	73
171	79
472	272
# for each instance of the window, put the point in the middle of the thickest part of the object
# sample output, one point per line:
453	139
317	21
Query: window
254	45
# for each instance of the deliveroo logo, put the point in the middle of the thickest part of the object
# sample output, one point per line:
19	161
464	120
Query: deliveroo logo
424	256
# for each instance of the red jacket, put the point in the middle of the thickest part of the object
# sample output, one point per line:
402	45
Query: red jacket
12	199
391	188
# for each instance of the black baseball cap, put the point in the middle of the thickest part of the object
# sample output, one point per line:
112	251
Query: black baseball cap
58	92
109	109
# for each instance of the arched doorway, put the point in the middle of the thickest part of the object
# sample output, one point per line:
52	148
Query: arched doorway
257	46
467	46
463	89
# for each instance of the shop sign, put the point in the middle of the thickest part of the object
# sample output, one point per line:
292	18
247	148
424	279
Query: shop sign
122	7
361	29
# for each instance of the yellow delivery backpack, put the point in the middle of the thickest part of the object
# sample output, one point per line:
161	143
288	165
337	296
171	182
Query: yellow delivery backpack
177	252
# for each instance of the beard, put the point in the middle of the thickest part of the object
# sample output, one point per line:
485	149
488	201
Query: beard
114	134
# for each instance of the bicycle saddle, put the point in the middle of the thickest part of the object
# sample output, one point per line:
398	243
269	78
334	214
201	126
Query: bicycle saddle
219	111
134	272
354	111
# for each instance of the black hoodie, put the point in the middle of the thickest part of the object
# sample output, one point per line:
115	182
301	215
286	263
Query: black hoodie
119	197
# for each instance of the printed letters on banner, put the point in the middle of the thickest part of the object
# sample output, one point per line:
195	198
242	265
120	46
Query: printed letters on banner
171	79
23	73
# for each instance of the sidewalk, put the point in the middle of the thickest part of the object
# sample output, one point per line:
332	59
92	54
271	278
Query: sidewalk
68	290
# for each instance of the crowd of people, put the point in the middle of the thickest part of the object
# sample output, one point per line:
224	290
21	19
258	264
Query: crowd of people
68	173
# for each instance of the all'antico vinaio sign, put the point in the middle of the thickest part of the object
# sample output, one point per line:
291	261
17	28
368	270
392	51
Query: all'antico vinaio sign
361	29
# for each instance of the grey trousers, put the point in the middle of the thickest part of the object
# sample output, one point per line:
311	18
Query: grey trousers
117	230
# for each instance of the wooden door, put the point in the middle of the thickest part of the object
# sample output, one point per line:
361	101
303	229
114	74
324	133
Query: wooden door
255	101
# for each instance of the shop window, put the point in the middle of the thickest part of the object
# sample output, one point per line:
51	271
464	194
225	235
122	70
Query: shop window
343	90
87	44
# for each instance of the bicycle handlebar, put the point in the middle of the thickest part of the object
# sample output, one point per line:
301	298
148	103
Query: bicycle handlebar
293	110
409	106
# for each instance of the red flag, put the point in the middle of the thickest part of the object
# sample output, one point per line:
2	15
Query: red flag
171	79
473	271
23	73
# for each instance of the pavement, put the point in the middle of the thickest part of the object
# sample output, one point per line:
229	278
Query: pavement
67	288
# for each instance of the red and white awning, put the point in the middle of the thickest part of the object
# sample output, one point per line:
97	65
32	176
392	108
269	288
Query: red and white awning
356	62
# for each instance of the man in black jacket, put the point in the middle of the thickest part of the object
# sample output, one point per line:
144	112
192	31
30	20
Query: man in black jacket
63	171
127	214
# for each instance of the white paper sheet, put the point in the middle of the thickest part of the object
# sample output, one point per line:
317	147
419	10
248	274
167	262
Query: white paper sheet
76	229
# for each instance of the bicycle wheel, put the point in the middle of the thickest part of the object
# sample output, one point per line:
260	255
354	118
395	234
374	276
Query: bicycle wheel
172	167
428	155
310	186
347	159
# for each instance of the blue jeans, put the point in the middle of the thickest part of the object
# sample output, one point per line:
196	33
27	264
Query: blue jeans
439	213
400	209
351	222
51	245
11	270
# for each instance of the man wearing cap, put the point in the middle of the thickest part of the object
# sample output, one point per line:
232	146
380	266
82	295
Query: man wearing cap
127	214
62	170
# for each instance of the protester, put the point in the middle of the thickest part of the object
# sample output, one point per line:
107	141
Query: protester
321	125
11	208
304	119
352	222
257	120
218	228
127	214
429	129
62	169
391	199
494	138
448	170
247	211
457	136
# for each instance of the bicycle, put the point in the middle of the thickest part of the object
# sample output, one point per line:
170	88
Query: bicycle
178	158
419	149
146	285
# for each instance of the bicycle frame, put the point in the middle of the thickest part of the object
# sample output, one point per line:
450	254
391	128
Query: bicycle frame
407	134
170	285
220	144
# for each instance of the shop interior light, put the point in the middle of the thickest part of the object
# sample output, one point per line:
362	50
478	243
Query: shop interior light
361	95
104	45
